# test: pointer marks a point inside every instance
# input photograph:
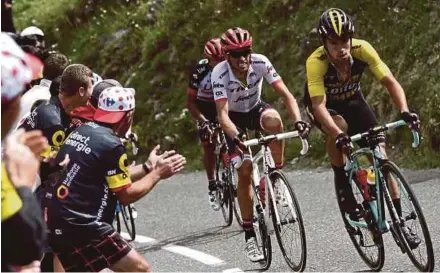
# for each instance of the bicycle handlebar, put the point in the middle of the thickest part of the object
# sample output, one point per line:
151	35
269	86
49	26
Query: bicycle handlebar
386	127
270	138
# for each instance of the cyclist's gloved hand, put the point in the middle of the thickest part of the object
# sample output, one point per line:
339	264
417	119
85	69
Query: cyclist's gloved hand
412	119
239	143
205	130
343	142
303	128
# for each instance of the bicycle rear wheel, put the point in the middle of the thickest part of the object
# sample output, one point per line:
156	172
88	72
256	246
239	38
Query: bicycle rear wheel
223	196
369	245
412	218
290	232
263	239
127	216
232	179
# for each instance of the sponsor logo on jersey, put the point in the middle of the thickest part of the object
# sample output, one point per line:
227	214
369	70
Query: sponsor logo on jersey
103	205
71	175
248	97
79	142
223	74
343	89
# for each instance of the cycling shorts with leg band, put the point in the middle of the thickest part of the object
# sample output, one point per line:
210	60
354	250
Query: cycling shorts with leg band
356	112
209	110
251	120
101	252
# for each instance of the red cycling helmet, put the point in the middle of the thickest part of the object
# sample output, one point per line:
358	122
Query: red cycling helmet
213	50
236	38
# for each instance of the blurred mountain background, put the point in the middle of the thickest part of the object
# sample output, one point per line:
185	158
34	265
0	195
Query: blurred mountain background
152	45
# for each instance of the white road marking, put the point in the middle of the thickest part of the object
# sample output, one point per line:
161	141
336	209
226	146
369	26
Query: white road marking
139	238
184	251
232	270
194	254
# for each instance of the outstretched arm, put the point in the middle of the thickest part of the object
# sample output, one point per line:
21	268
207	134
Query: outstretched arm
396	92
226	123
289	100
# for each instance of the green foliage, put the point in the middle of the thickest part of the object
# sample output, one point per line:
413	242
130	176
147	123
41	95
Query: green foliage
120	39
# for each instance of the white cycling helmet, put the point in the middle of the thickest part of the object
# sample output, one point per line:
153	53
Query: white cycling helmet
32	30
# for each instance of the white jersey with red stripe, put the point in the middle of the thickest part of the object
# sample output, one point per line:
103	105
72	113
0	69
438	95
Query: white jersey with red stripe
242	98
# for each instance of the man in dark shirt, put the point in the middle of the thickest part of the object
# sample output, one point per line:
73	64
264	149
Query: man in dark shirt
53	120
81	201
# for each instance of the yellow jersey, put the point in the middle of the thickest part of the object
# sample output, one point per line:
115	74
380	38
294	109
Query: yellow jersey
322	76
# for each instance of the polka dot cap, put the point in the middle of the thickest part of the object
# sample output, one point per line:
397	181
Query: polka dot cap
117	99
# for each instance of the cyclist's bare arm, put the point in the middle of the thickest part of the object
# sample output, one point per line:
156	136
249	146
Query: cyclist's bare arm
225	122
136	172
396	92
169	164
323	116
289	100
192	107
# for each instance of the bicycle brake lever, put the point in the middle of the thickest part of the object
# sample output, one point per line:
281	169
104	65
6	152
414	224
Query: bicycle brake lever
416	139
305	146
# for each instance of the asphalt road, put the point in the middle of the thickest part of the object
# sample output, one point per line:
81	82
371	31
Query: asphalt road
179	231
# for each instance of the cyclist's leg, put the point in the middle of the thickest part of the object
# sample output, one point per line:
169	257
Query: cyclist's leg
244	186
244	190
269	120
337	158
208	109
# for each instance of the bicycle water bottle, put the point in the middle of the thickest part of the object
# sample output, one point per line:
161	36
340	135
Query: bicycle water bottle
262	190
371	181
361	178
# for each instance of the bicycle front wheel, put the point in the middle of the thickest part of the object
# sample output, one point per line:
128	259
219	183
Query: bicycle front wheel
289	231
411	218
232	179
127	216
369	244
263	238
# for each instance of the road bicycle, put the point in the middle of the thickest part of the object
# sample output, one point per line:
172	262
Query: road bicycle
366	231
125	214
225	177
276	208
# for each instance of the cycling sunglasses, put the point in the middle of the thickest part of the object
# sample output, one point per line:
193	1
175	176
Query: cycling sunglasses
240	53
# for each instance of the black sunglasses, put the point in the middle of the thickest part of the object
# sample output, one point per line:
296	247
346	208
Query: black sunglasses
240	53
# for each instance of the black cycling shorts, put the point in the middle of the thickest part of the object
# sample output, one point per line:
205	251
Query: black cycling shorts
356	112
101	252
247	121
208	109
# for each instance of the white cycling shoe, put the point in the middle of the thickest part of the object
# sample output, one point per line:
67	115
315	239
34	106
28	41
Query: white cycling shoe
252	251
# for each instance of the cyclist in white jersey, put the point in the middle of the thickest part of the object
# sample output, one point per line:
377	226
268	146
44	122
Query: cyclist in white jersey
200	103
237	84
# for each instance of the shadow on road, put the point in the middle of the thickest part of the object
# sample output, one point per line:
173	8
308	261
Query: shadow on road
199	237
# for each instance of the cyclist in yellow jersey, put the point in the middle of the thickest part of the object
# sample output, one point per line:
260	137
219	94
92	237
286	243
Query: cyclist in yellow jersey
334	100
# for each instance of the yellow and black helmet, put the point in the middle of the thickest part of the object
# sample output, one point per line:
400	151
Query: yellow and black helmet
335	22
